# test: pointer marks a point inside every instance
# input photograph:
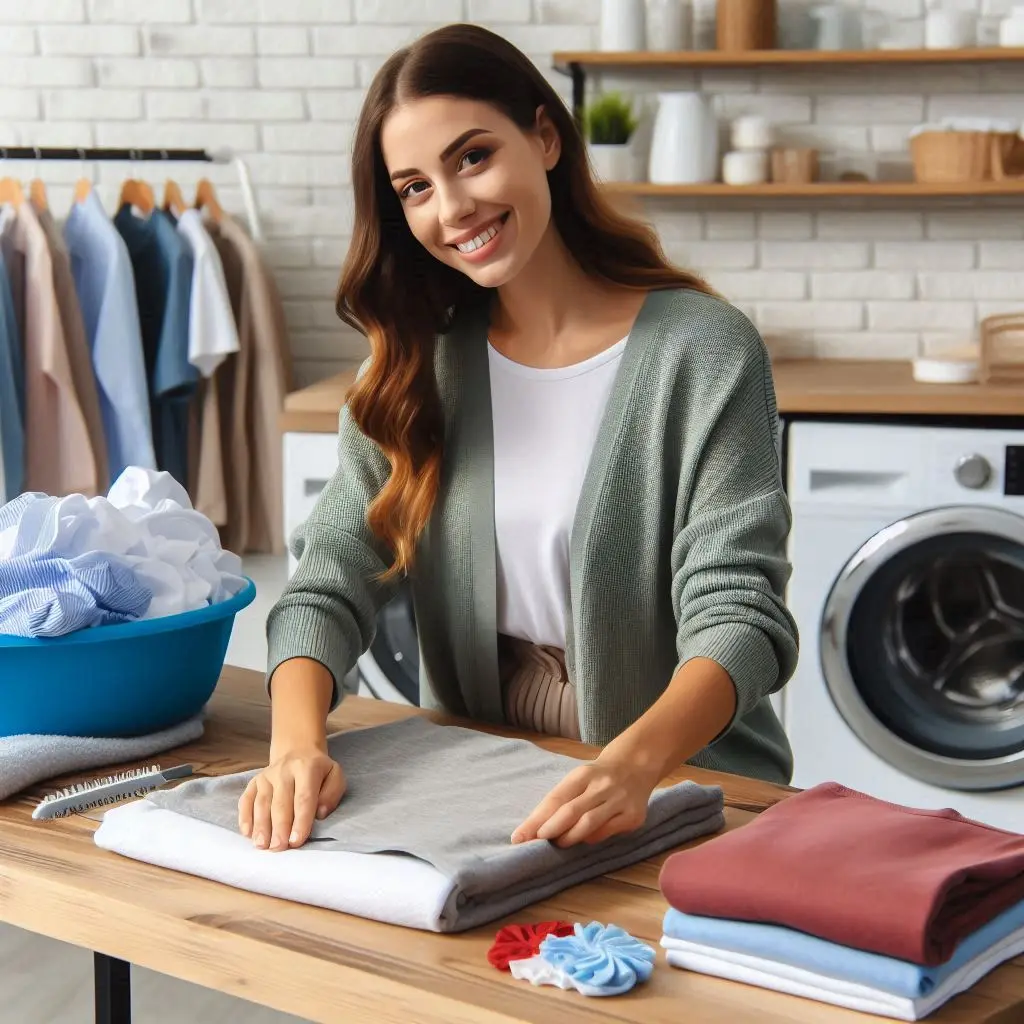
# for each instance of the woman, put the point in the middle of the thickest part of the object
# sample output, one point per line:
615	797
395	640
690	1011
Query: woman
566	445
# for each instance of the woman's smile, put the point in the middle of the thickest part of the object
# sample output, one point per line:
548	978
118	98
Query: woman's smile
482	245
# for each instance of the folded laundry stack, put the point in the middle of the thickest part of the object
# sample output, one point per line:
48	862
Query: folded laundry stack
69	563
836	896
421	837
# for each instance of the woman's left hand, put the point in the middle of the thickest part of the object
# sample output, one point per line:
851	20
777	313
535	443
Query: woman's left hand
593	802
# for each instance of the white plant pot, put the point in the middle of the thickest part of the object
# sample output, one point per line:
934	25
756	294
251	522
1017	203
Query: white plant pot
614	163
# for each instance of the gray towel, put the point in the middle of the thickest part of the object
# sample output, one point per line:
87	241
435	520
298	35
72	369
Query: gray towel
451	796
25	760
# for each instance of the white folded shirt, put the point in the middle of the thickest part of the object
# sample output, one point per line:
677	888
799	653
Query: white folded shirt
393	888
772	974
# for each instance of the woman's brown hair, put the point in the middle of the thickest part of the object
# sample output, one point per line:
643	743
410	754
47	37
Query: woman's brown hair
401	297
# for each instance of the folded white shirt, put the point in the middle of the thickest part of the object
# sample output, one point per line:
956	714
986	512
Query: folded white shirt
772	974
393	888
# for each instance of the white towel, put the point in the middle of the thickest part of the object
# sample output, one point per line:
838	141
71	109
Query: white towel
25	760
765	973
393	888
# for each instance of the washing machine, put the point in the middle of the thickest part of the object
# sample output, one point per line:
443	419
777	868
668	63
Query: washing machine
389	669
907	549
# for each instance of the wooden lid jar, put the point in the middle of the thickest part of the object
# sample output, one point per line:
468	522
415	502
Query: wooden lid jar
745	24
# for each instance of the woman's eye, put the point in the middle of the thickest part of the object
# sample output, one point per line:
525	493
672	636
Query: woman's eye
474	157
410	189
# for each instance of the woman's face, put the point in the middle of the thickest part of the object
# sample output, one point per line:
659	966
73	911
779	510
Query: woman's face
473	184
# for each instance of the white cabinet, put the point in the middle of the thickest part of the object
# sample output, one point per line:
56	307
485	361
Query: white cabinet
310	460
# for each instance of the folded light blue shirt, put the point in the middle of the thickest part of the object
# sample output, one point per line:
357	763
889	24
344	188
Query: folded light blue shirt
799	949
105	284
12	396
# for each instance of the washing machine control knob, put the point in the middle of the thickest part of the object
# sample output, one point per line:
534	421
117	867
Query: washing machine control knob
973	471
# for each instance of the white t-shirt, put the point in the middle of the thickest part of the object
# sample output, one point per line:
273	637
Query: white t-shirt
545	422
212	334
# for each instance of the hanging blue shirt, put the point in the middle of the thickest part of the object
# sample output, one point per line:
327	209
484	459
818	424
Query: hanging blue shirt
12	396
162	263
102	270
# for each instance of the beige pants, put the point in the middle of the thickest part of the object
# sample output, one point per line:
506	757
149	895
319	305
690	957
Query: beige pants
535	686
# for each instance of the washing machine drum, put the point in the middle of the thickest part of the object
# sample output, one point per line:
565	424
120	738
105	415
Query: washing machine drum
390	668
923	647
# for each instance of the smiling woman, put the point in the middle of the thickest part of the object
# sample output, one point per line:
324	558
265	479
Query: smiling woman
565	446
461	136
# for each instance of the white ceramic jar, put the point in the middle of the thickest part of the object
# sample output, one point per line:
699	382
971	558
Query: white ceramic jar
745	167
948	29
1011	28
668	25
623	25
751	131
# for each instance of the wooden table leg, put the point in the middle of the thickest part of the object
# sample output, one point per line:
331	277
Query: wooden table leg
112	982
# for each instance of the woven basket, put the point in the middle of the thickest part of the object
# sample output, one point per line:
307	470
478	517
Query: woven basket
946	156
1002	348
1007	156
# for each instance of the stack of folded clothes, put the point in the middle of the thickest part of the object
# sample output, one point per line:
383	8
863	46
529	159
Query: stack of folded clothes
421	837
836	896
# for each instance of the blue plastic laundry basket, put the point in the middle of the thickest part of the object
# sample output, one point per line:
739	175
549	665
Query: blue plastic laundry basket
121	680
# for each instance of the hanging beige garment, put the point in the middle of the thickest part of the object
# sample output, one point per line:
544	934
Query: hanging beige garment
59	456
79	357
222	473
251	389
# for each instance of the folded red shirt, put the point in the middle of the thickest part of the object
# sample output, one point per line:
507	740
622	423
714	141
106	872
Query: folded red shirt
846	867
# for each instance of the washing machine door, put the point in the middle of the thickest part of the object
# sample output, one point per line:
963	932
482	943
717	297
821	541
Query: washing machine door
390	668
922	646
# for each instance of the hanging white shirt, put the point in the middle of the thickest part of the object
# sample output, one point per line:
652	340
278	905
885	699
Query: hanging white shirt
545	422
212	333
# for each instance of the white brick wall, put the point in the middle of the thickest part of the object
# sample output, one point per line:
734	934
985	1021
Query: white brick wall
281	82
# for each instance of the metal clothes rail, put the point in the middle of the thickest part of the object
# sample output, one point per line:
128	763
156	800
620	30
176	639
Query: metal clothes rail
133	155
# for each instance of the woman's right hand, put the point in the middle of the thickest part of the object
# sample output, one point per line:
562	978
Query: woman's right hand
279	805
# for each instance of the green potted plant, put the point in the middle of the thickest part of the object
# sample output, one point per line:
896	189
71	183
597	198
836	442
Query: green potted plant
608	127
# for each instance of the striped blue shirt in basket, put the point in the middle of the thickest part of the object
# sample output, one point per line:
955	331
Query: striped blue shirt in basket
46	595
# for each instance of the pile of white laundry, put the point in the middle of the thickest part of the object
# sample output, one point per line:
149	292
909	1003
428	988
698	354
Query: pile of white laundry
143	551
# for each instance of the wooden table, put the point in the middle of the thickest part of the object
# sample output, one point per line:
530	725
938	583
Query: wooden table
854	387
331	967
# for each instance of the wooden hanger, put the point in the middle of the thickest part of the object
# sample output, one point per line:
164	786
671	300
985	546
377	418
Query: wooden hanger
139	194
174	201
82	188
11	191
37	193
206	197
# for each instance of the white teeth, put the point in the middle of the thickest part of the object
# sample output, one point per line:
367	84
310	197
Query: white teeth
481	239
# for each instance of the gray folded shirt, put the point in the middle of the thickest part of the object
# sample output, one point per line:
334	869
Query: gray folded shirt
452	796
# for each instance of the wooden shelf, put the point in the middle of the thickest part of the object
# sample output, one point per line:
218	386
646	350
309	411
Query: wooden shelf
565	60
868	189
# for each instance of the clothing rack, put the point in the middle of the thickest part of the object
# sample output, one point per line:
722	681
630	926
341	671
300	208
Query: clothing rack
132	155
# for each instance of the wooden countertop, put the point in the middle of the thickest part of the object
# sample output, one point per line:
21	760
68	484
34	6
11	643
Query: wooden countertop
839	386
850	386
325	966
